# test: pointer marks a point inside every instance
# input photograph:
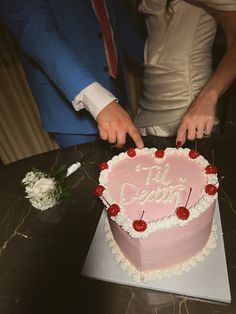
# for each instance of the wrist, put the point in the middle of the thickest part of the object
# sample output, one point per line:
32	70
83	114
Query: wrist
211	96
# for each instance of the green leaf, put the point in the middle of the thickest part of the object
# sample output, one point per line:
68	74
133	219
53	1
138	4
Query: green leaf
59	172
34	169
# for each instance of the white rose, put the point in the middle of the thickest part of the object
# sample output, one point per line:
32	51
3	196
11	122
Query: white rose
43	191
43	203
44	185
43	194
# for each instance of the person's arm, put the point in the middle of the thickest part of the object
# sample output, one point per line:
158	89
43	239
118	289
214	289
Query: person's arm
131	43
35	28
114	123
199	118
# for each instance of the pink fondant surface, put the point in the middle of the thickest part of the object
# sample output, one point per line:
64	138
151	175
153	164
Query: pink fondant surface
141	184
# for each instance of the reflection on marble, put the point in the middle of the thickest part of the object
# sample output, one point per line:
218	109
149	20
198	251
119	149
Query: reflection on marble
42	253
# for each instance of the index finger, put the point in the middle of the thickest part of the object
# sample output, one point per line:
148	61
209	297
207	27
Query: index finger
136	137
181	134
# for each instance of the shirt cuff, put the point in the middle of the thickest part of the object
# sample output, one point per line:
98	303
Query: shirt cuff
93	98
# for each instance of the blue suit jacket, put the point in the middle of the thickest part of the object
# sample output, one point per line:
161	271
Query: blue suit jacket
64	53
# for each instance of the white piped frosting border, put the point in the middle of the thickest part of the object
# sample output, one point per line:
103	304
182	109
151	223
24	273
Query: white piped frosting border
167	222
161	273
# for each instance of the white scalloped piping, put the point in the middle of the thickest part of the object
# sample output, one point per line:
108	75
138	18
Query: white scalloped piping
161	273
165	223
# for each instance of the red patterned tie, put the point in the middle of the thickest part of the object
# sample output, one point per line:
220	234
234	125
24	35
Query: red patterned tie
101	13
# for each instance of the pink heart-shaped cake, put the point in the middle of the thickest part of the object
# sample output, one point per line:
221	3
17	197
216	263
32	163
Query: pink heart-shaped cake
160	206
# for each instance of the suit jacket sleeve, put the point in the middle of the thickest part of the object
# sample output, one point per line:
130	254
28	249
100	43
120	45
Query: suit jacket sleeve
33	25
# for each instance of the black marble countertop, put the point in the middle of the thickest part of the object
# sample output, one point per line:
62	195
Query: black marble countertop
42	253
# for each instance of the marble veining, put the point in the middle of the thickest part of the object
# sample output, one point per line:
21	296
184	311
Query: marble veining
42	253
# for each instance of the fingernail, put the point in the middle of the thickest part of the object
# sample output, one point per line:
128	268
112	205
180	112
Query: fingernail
178	144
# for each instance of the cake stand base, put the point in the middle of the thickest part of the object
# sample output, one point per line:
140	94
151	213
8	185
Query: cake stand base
207	280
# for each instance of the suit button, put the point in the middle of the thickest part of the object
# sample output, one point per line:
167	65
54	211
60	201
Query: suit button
105	68
99	35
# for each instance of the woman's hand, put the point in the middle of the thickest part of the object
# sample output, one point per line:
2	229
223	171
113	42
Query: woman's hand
198	119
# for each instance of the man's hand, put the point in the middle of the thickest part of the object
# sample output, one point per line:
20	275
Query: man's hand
114	123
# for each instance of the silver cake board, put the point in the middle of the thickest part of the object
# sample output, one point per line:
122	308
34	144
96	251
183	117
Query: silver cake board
207	280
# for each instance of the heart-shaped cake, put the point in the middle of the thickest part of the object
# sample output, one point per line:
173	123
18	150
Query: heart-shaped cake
160	206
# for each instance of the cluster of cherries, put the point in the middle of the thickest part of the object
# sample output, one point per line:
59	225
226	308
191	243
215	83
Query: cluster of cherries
113	210
210	189
182	212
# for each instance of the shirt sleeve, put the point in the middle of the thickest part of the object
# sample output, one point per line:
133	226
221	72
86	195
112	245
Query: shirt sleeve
93	98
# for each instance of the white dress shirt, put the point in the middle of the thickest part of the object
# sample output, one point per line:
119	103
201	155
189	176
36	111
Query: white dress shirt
93	98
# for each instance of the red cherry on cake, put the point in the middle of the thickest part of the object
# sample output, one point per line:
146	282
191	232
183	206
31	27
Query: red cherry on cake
103	166
211	169
131	152
140	225
99	190
182	212
113	210
194	153
211	189
160	153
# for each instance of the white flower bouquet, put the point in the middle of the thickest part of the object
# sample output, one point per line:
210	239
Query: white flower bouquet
46	190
